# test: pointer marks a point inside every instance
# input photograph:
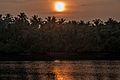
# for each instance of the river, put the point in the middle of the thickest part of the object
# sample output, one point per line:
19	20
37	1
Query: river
60	70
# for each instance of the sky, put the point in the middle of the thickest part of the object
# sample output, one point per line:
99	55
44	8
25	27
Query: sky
75	9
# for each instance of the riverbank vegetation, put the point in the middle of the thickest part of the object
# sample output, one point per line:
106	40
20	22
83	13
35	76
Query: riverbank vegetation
22	34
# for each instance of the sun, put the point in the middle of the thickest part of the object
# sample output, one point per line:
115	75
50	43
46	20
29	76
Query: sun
59	6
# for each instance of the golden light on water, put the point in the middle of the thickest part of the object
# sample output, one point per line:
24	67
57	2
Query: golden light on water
62	70
59	6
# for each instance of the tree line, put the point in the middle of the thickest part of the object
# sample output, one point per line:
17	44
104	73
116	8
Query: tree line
22	34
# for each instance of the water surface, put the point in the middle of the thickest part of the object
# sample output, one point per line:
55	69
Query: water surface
59	70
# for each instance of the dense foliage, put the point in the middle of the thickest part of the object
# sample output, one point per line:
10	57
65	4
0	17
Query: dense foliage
20	34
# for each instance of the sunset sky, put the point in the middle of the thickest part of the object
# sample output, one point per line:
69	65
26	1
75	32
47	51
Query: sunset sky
74	9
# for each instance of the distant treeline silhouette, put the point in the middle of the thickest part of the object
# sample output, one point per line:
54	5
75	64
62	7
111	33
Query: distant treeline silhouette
21	34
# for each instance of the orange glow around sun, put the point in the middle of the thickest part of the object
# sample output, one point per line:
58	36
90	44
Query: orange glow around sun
59	6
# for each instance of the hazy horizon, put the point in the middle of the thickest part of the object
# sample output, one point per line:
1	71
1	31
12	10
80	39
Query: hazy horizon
75	9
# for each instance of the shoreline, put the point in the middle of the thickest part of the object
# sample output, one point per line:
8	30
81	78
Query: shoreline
60	56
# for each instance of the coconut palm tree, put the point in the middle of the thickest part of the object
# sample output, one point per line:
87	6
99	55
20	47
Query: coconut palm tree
36	22
8	19
22	17
97	24
61	21
111	21
22	21
51	19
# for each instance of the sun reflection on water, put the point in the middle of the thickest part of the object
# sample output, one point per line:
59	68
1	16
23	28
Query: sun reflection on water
62	72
